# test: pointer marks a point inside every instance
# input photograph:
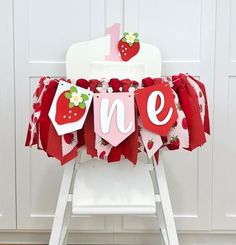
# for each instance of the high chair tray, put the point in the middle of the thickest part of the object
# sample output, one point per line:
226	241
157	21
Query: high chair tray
115	188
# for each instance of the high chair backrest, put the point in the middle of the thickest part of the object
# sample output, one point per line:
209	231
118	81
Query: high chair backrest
80	55
96	198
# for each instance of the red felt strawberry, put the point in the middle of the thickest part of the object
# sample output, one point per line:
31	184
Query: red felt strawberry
150	144
128	46
102	155
184	123
69	138
70	106
174	143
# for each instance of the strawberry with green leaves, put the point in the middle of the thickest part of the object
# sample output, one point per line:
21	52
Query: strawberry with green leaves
128	46
174	143
70	106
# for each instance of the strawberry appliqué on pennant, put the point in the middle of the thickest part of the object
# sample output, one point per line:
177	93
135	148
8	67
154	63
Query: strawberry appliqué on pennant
70	106
174	143
69	138
128	46
102	155
150	144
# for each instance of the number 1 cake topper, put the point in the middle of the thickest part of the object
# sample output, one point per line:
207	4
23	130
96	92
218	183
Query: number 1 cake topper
128	46
114	32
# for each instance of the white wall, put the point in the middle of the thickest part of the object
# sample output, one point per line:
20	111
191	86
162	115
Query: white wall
194	36
7	124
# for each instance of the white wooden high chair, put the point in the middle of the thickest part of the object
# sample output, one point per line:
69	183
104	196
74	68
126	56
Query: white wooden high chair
95	187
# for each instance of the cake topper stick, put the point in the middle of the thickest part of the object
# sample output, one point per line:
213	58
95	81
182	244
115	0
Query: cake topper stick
114	32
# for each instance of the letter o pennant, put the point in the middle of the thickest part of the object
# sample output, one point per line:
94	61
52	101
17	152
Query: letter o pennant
157	108
114	117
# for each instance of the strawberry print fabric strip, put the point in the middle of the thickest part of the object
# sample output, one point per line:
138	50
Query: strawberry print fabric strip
201	99
64	148
190	105
69	141
103	147
178	136
206	118
151	141
32	135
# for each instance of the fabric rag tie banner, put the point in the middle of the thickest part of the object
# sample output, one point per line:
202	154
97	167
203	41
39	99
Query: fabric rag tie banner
118	118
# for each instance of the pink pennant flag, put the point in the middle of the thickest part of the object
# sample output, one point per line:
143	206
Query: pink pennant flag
114	117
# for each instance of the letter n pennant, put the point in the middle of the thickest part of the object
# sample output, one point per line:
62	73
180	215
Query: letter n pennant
114	116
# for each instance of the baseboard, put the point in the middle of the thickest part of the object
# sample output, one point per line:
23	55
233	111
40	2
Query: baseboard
210	238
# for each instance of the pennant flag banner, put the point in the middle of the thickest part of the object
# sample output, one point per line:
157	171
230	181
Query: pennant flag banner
160	114
69	107
157	108
114	116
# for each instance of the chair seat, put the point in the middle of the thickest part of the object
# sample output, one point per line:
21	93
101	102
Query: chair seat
113	188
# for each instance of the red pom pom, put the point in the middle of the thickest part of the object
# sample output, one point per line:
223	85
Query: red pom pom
83	83
157	80
93	83
115	84
126	83
148	81
62	79
135	84
175	78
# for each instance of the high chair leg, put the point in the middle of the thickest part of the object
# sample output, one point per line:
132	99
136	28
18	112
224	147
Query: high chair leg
63	209
168	228
65	233
162	224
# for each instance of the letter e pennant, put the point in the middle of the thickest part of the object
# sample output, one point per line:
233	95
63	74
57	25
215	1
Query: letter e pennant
157	108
